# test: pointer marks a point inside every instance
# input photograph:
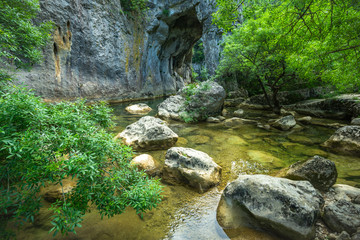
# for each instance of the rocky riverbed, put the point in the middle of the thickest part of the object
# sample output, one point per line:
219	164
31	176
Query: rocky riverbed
238	148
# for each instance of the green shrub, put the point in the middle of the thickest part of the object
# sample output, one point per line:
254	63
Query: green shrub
44	144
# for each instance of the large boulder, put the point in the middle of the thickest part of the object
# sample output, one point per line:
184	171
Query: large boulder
342	208
285	207
319	171
345	140
284	123
206	99
193	167
140	108
171	108
148	133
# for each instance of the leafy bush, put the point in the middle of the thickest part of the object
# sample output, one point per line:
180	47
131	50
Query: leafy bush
44	144
20	39
189	113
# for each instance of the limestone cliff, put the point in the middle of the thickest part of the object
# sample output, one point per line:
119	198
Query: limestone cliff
99	52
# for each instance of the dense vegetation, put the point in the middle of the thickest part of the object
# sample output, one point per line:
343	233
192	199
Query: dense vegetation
290	43
43	144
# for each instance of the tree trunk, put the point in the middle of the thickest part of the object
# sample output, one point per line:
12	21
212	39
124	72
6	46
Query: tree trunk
275	99
264	91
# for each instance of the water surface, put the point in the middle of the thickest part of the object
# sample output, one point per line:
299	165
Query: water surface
186	214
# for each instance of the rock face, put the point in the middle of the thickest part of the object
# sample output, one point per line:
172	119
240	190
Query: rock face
319	171
208	100
288	208
192	167
149	133
345	140
140	108
342	208
99	52
285	123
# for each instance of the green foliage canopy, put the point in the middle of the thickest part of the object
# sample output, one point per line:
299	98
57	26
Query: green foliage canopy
319	39
20	39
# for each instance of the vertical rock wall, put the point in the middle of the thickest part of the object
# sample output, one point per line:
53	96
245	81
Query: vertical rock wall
99	52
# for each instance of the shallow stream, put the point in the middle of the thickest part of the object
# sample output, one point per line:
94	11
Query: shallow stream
186	214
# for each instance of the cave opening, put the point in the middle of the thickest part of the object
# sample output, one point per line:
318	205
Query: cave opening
177	50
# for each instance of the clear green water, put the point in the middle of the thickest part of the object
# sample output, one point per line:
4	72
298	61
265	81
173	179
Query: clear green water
186	214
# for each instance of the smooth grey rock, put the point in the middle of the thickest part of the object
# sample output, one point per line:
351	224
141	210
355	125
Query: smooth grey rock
355	121
99	52
285	207
140	108
213	120
345	140
340	211
284	123
305	120
172	107
239	113
319	171
192	167
145	162
221	118
148	133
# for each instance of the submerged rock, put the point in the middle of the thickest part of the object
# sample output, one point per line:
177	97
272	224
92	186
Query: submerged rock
319	171
233	122
140	108
284	123
149	133
192	167
345	140
342	208
285	207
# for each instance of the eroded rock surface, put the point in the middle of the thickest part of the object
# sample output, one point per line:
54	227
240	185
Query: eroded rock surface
100	52
191	167
284	123
342	208
207	101
140	108
319	171
345	140
288	208
149	133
